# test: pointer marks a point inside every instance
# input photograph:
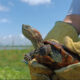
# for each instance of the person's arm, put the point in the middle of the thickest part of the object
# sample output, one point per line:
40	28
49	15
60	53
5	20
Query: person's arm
74	20
73	15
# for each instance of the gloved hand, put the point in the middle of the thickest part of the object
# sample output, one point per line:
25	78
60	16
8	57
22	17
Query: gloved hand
38	71
73	46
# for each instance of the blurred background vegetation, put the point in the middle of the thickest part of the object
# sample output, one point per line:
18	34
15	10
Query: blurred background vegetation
12	65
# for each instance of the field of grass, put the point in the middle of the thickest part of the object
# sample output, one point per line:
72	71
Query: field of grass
12	65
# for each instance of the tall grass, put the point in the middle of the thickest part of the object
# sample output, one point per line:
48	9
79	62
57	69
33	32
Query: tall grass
12	65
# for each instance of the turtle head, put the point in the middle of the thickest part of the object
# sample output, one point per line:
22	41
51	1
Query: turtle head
33	35
28	31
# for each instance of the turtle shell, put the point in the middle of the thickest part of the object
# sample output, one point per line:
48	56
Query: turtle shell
71	71
67	56
53	55
66	69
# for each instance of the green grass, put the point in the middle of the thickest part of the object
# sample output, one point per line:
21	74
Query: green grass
12	65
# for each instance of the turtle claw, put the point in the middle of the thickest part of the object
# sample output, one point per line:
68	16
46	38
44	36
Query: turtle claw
27	57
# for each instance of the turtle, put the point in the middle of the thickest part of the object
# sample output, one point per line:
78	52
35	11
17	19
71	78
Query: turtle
51	54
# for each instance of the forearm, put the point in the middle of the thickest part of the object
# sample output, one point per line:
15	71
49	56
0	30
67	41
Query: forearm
74	20
73	15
